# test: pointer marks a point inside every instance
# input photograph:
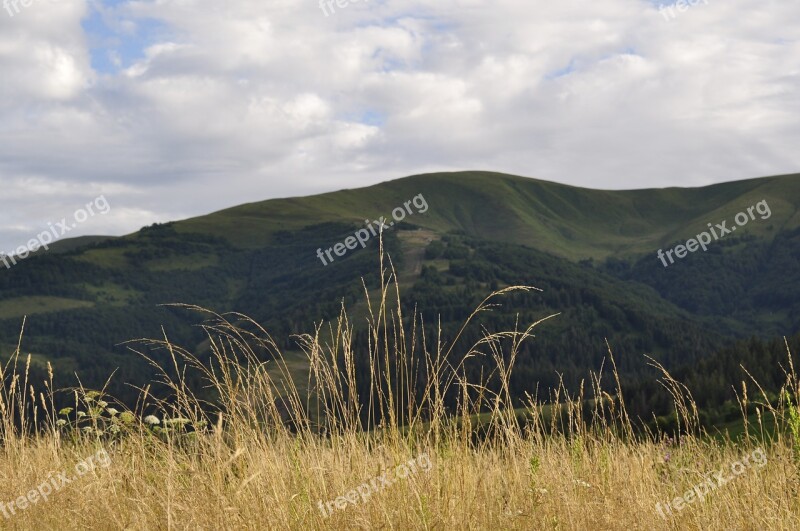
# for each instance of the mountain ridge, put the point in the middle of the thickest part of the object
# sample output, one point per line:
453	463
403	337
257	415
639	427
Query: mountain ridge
593	253
558	230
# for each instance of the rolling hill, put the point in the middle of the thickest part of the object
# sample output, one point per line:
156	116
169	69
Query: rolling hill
592	252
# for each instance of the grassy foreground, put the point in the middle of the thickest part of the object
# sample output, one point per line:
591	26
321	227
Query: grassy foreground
261	456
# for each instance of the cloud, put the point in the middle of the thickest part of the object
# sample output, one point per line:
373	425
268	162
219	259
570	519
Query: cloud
181	108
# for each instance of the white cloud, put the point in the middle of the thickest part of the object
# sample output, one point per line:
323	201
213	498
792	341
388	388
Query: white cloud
233	101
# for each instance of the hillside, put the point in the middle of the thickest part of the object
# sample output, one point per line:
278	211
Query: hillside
592	252
566	221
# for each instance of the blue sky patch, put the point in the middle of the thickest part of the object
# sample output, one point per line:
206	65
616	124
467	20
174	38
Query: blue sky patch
113	46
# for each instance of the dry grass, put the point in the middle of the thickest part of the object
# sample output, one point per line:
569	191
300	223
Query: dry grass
265	456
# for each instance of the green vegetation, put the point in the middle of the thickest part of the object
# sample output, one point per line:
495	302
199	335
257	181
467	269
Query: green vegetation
590	252
22	306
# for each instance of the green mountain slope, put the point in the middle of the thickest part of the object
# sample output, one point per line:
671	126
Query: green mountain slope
571	222
592	252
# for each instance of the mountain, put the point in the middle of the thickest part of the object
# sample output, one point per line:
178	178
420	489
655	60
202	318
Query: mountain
566	221
592	252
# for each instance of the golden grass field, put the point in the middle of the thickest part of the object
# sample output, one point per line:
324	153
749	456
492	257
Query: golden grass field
267	456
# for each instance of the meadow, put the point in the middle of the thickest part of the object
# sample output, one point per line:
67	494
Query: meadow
270	451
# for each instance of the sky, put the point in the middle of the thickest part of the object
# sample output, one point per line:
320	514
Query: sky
174	108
